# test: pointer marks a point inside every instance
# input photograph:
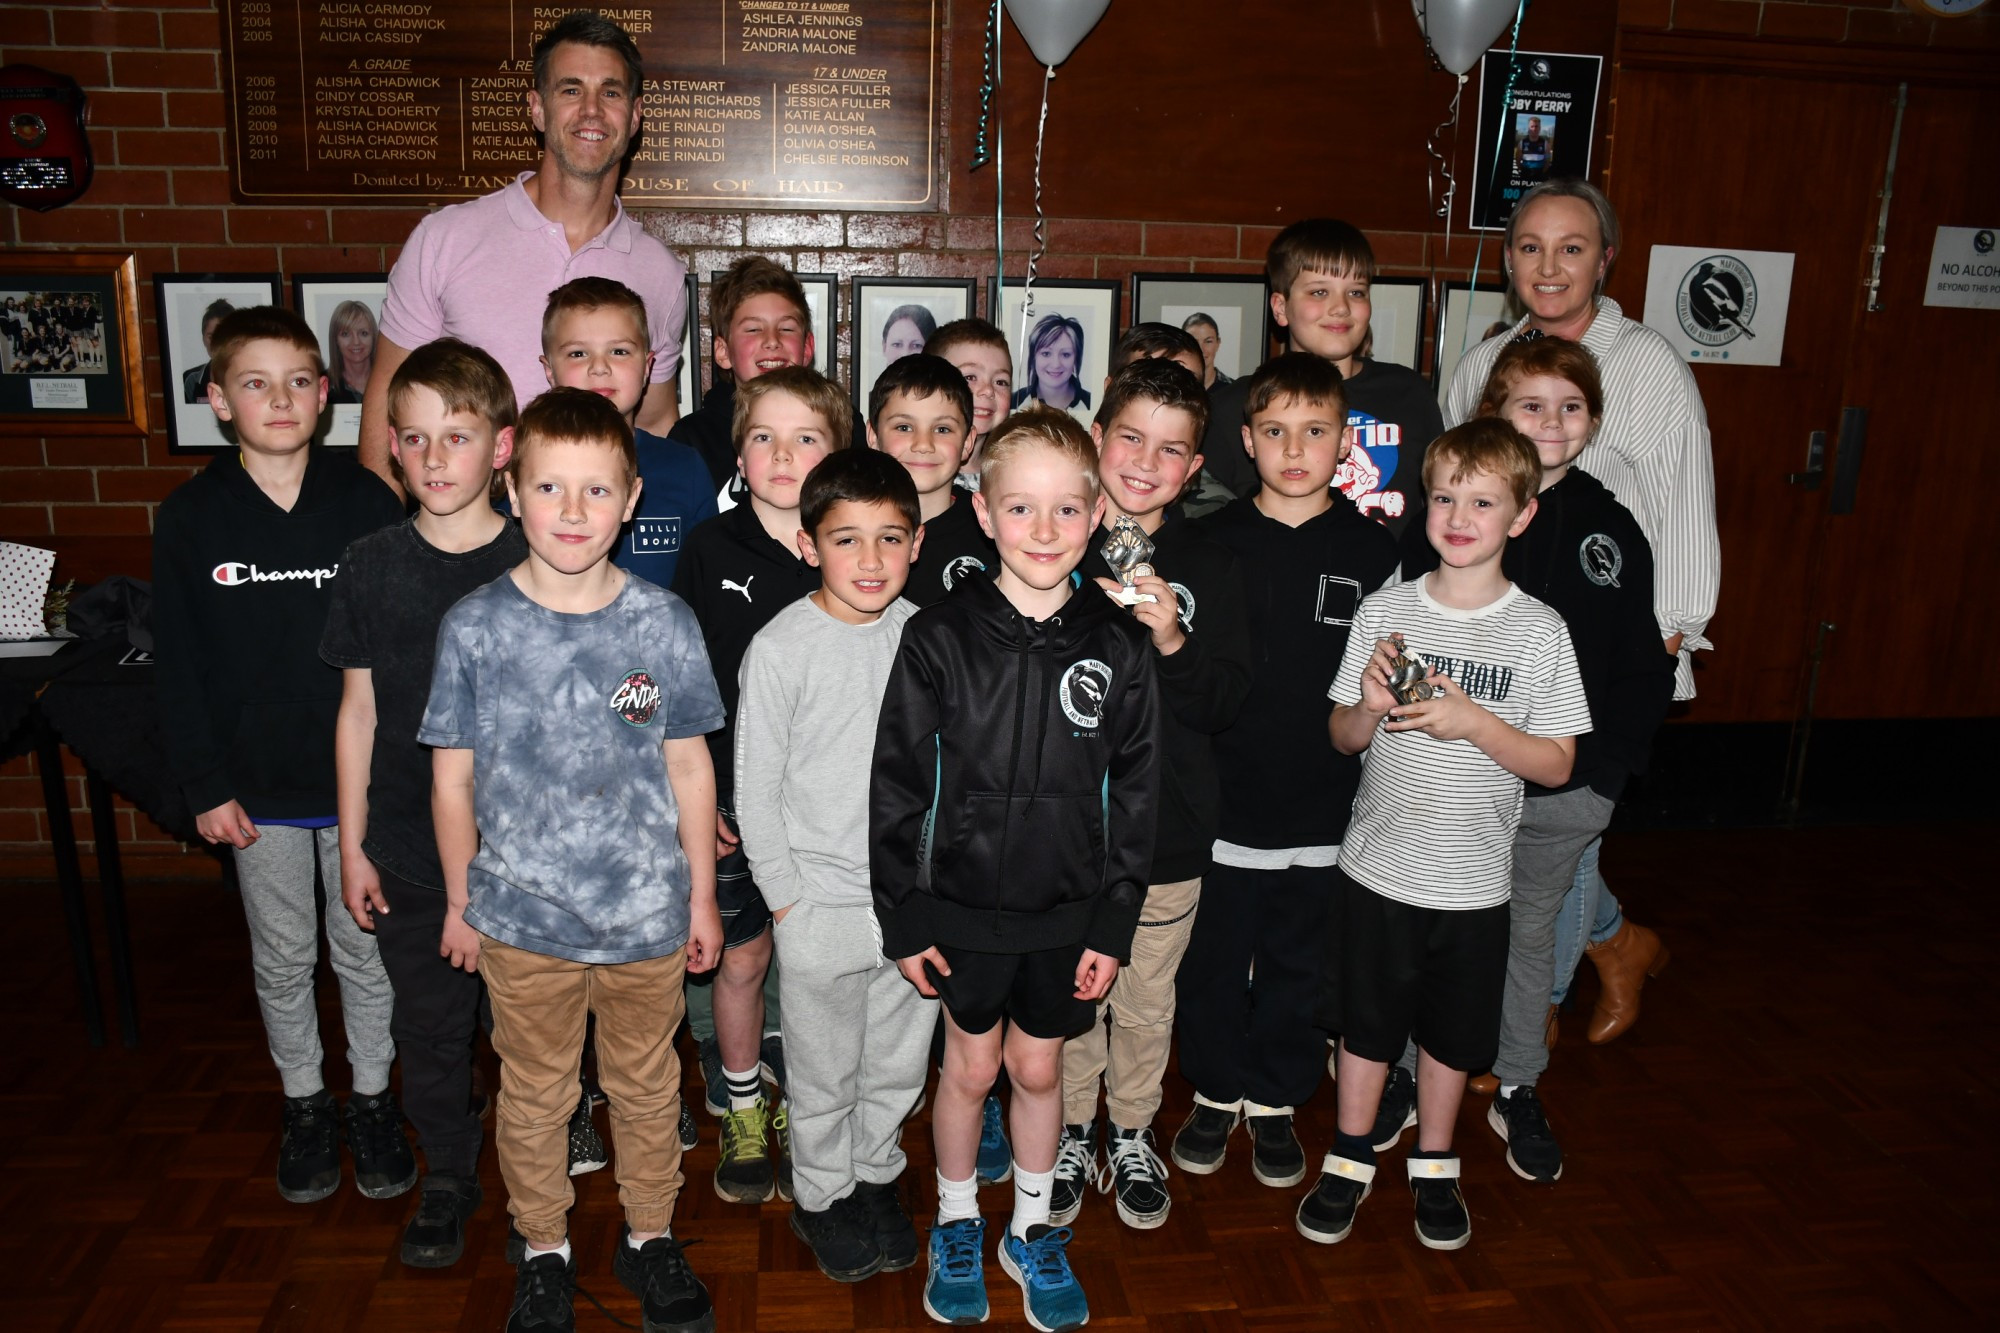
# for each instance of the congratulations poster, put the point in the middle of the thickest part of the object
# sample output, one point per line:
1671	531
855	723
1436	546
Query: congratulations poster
1543	132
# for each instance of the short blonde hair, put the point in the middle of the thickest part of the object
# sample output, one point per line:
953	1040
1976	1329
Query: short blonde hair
1490	445
807	385
1038	428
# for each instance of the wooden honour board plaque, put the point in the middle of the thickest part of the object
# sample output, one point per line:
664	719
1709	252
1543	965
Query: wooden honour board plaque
751	103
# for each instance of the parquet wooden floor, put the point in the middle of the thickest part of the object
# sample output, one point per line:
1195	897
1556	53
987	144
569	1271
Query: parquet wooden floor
1798	1134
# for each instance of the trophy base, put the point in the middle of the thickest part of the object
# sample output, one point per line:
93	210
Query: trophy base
1132	597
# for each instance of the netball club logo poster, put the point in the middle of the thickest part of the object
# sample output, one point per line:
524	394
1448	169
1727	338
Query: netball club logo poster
1717	305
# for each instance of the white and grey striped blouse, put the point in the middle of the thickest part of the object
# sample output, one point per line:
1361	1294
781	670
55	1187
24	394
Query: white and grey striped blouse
1652	452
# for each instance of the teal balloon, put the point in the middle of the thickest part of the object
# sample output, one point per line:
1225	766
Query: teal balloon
1054	27
1460	31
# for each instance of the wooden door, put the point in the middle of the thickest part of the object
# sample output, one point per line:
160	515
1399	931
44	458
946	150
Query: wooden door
1711	147
1909	577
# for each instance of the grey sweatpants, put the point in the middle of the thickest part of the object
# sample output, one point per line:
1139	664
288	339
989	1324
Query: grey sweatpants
1554	831
857	1050
275	874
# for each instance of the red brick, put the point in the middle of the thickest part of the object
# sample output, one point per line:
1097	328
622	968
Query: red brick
1200	241
201	185
28	27
1815	22
112	520
197	226
118	185
164	69
845	263
789	231
281	225
701	263
170	148
1400	249
148	485
679	229
107	28
973	232
88	66
931	264
394	225
195	110
229	259
24	520
191	32
1256	241
895	231
68	226
113	108
52	483
1888	27
20	452
129	451
1086	237
333	259
1226	266
160	4
23	826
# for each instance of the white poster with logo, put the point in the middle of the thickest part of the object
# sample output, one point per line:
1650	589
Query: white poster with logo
1965	269
1716	305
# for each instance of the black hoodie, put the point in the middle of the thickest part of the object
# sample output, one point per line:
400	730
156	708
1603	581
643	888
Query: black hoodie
1283	783
1201	687
1015	777
241	590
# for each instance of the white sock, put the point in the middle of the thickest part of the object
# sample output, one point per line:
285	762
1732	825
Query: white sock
736	1080
1031	1199
958	1200
1509	1089
638	1244
562	1249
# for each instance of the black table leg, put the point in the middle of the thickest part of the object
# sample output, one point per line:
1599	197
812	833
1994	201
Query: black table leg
111	883
69	873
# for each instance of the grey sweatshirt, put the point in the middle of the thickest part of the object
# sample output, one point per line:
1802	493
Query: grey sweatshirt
805	740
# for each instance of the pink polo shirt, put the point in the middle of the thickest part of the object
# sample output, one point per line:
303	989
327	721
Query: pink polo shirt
482	271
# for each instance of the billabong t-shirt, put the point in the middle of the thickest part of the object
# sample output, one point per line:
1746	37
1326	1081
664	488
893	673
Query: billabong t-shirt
566	715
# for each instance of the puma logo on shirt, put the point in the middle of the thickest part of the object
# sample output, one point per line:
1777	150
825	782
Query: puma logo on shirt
730	585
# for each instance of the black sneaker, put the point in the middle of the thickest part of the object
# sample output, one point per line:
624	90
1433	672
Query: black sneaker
435	1237
1532	1150
894	1231
309	1148
771	1061
544	1295
1076	1172
586	1145
743	1170
1327	1214
671	1297
1398	1109
1138	1178
1442	1220
715	1088
384	1166
690	1132
842	1239
1276	1157
1204	1137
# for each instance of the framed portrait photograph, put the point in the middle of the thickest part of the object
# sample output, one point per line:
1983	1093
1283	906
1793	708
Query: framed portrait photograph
1396	320
1062	339
894	317
345	310
1227	313
190	306
1468	318
70	359
687	380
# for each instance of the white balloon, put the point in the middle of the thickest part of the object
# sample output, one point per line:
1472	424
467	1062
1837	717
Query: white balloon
1054	27
1460	31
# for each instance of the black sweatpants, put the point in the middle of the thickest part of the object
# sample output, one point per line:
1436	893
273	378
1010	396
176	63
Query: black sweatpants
437	1011
1250	984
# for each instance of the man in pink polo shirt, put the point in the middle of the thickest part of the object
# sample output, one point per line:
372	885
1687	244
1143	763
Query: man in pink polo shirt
481	271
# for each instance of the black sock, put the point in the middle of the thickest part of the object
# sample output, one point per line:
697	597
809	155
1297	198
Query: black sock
1354	1147
1434	1154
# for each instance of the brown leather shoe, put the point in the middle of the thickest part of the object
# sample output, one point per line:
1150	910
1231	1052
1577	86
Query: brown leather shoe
1484	1084
1623	963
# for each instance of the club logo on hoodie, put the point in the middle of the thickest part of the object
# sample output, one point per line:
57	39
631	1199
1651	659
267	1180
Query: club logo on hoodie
637	697
1085	687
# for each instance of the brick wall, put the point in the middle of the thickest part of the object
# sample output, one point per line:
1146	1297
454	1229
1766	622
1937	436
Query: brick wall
154	74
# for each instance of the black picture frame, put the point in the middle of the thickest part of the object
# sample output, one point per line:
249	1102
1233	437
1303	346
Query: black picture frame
877	298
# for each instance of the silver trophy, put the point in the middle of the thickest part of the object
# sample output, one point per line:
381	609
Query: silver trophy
1406	675
1127	550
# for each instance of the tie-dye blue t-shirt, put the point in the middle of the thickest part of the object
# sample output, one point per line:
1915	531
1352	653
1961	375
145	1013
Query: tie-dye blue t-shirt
566	716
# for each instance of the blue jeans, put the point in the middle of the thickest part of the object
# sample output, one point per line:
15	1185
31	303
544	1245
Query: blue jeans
1588	904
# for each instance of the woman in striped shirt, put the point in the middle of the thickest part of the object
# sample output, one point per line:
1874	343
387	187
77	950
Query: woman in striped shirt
1652	452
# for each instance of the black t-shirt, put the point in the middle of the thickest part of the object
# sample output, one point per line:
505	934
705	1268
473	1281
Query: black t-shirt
393	591
955	546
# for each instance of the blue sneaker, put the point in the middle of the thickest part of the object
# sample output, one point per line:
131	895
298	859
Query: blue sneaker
1050	1293
955	1291
996	1159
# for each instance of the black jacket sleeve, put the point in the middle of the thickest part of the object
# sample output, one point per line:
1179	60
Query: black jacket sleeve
1132	792
197	753
1205	683
1640	686
901	794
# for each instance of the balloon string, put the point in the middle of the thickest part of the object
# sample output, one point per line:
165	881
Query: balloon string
1492	181
999	181
981	154
1041	222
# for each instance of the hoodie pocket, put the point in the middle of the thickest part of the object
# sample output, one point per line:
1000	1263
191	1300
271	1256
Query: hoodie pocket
1028	853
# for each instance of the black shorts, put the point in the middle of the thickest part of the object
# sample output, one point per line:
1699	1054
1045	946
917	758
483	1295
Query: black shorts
1404	971
1036	992
744	915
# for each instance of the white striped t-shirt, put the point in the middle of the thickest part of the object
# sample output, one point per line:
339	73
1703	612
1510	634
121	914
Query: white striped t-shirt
1434	820
1652	452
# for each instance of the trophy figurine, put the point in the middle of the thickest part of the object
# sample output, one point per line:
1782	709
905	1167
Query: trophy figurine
1127	550
1406	675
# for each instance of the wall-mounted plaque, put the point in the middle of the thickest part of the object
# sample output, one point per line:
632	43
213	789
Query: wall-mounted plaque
756	103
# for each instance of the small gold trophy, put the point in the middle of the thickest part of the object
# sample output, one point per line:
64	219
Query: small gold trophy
1127	550
1406	675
